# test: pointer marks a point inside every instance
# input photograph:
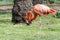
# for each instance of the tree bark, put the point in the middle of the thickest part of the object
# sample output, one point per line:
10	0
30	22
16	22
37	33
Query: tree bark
37	2
19	10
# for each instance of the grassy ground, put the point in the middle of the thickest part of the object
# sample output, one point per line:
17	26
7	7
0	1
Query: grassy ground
49	30
6	2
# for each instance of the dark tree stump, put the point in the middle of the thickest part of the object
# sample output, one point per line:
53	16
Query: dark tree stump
19	10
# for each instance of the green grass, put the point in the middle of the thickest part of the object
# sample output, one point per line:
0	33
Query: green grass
35	31
6	2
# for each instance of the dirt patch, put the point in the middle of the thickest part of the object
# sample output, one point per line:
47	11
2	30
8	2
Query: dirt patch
56	7
5	8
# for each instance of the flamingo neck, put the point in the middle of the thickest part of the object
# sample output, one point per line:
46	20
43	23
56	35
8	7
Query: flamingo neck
34	15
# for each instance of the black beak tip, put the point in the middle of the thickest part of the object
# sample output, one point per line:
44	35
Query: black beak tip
28	24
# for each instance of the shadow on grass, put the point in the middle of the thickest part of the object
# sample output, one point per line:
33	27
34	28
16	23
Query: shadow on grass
5	17
5	21
4	12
